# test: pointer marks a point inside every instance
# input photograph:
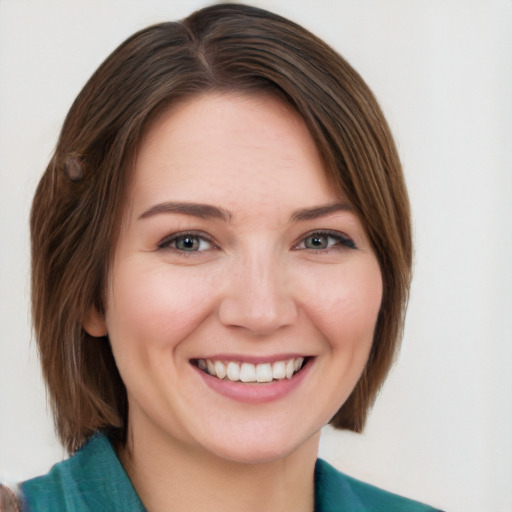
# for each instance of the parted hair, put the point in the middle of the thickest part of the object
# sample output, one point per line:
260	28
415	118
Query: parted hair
77	208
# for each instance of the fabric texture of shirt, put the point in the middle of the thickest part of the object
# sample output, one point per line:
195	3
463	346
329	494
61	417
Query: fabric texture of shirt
93	480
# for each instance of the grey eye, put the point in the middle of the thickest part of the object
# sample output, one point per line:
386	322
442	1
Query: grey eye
318	241
188	243
324	240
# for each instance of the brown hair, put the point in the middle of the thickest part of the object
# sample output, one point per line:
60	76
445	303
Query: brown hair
78	204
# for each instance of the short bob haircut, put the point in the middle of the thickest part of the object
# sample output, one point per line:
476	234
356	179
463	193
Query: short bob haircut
77	208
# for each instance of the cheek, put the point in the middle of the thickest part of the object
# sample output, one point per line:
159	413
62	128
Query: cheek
155	307
346	306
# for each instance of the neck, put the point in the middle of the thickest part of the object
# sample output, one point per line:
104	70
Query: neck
169	476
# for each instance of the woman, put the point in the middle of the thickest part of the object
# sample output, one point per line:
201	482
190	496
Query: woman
221	256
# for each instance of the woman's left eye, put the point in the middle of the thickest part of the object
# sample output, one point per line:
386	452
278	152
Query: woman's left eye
325	240
186	243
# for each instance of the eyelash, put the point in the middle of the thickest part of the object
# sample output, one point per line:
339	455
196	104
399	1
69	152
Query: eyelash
340	241
166	243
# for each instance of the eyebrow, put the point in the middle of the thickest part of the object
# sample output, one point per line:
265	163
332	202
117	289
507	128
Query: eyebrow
204	211
208	211
320	211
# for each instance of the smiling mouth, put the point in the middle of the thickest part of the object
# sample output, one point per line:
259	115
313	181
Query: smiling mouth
248	372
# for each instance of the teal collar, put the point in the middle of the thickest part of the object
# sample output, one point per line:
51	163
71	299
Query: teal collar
93	479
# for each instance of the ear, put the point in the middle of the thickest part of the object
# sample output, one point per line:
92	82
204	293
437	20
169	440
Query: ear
94	323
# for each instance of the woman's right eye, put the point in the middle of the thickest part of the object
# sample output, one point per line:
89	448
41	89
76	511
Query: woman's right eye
186	243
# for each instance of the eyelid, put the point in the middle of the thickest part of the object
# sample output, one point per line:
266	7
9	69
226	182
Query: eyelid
344	241
166	241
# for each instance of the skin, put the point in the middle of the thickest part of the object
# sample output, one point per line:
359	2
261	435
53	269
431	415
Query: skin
256	286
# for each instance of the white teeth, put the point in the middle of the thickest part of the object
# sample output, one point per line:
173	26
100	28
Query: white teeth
233	371
279	370
220	369
248	372
290	369
264	372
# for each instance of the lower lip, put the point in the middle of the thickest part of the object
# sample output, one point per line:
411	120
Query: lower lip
253	393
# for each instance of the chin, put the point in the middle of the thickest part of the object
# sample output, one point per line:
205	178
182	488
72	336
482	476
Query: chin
255	446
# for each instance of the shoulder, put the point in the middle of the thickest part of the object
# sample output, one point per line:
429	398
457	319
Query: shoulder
335	491
92	479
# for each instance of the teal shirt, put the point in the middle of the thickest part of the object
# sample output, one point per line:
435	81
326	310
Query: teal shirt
93	480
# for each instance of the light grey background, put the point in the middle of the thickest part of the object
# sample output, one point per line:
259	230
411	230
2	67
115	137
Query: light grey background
442	69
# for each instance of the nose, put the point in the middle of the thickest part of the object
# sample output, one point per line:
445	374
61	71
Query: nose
258	297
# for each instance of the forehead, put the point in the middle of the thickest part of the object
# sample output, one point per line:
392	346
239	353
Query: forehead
221	147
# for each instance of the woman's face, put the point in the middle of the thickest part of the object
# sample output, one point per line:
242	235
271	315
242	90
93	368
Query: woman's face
244	292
